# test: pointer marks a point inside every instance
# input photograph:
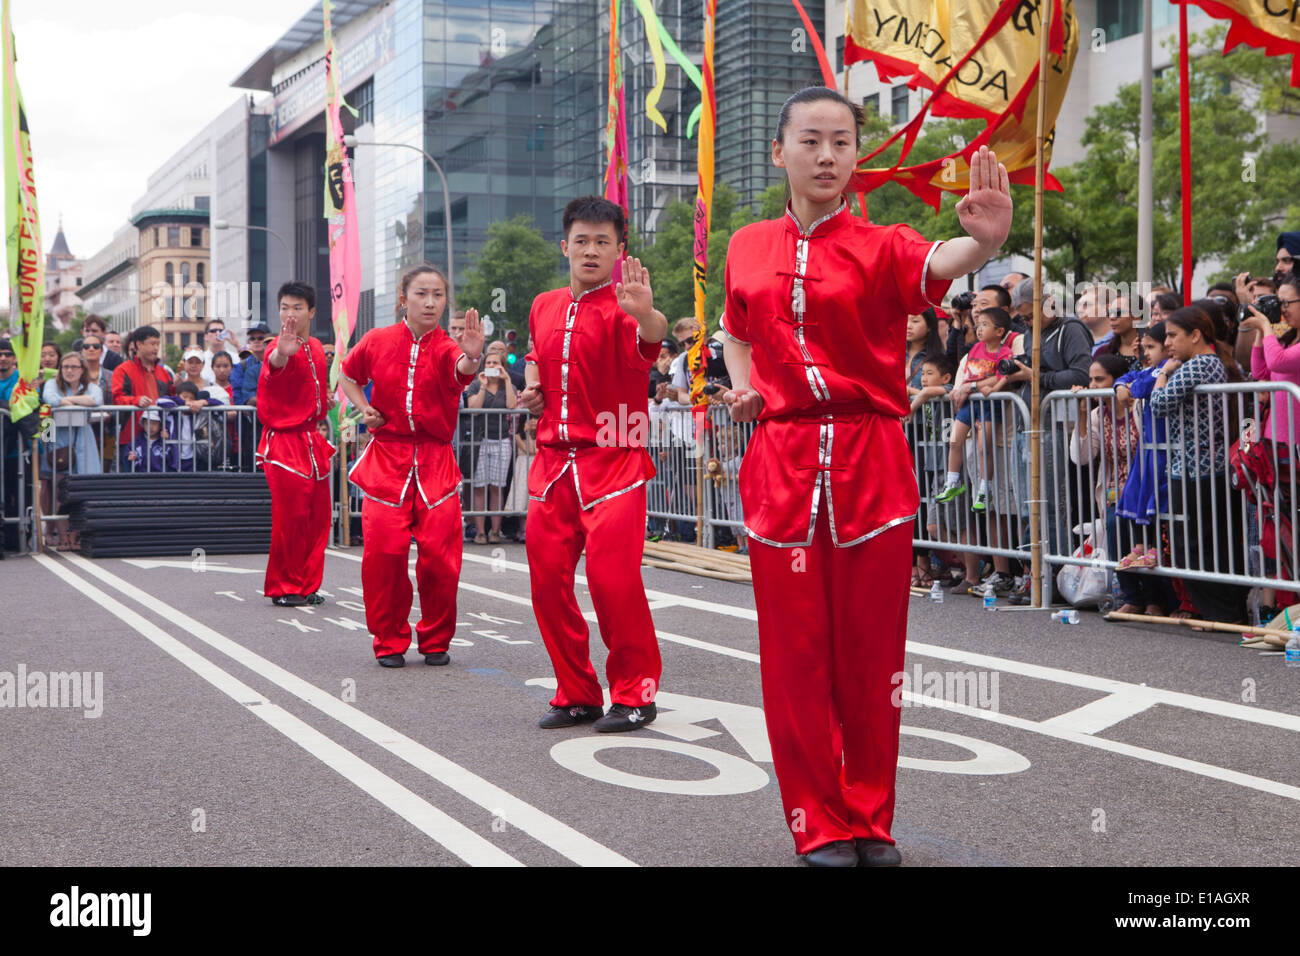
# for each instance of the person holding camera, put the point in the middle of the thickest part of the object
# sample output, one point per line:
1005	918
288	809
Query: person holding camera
493	436
217	338
1275	356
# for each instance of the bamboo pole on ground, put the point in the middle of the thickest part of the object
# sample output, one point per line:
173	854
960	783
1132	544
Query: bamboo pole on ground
1035	435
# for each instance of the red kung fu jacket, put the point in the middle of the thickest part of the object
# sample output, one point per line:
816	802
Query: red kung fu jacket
826	315
290	401
595	379
417	390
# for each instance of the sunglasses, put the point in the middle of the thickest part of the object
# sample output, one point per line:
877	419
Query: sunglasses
5	354
91	348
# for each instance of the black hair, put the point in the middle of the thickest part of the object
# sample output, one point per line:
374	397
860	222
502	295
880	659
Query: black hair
6	345
1197	318
1155	331
1217	315
188	388
1227	287
594	209
300	290
942	364
1115	365
814	94
671	345
1004	297
219	354
409	276
933	344
145	332
999	317
1168	301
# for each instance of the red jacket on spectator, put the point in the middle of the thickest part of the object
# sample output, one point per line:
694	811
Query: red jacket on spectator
131	380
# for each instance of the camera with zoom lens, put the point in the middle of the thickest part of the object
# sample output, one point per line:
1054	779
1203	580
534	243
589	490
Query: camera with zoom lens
963	301
1269	305
1009	366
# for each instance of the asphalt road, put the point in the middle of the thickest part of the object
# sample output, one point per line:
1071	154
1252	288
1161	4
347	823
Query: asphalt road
233	732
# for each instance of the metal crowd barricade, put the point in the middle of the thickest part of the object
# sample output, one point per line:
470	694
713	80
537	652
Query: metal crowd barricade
1201	524
671	496
126	439
994	454
490	445
15	483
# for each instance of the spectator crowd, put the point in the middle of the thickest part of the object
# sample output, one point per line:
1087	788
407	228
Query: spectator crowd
1144	465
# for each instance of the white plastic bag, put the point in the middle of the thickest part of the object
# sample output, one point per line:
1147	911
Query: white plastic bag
1084	585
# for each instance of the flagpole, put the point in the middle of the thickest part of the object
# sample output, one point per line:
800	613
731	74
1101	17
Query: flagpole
1185	149
1036	442
1146	187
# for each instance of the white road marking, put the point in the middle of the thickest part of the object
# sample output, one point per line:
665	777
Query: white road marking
1094	717
1067	730
542	827
1127	750
149	563
431	821
1205	705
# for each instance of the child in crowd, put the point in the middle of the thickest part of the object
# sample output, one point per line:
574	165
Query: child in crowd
979	371
1145	493
936	382
150	452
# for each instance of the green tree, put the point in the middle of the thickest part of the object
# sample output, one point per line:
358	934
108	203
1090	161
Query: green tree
515	265
671	258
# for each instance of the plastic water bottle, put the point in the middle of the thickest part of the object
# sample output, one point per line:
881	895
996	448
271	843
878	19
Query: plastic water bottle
1293	650
990	599
936	593
1066	616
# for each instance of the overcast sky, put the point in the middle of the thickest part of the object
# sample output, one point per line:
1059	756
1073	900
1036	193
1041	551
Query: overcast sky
113	89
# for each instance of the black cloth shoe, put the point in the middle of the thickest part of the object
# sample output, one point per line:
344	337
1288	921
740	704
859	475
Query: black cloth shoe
290	600
622	717
438	659
877	853
839	853
570	716
392	660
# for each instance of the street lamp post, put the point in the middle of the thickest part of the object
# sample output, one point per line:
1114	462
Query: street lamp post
351	141
222	224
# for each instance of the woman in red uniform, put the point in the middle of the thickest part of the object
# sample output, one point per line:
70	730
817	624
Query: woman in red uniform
816	322
408	472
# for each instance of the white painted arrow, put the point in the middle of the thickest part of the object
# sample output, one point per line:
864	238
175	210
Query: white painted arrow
189	566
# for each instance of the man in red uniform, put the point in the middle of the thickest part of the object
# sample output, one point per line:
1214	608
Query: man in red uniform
293	395
819	298
408	472
588	376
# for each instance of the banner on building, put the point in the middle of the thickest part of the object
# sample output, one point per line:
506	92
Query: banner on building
23	240
1271	25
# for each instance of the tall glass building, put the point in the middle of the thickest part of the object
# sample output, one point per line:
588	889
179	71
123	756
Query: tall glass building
508	96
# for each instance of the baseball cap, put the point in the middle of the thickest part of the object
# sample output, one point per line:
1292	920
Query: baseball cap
152	415
191	353
260	327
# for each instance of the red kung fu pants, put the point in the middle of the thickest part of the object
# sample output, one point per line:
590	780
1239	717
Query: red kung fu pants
300	529
613	533
832	623
386	533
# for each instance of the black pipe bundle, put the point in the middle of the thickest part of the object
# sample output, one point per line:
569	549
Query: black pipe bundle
160	514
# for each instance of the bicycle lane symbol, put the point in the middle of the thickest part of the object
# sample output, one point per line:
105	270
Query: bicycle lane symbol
679	717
